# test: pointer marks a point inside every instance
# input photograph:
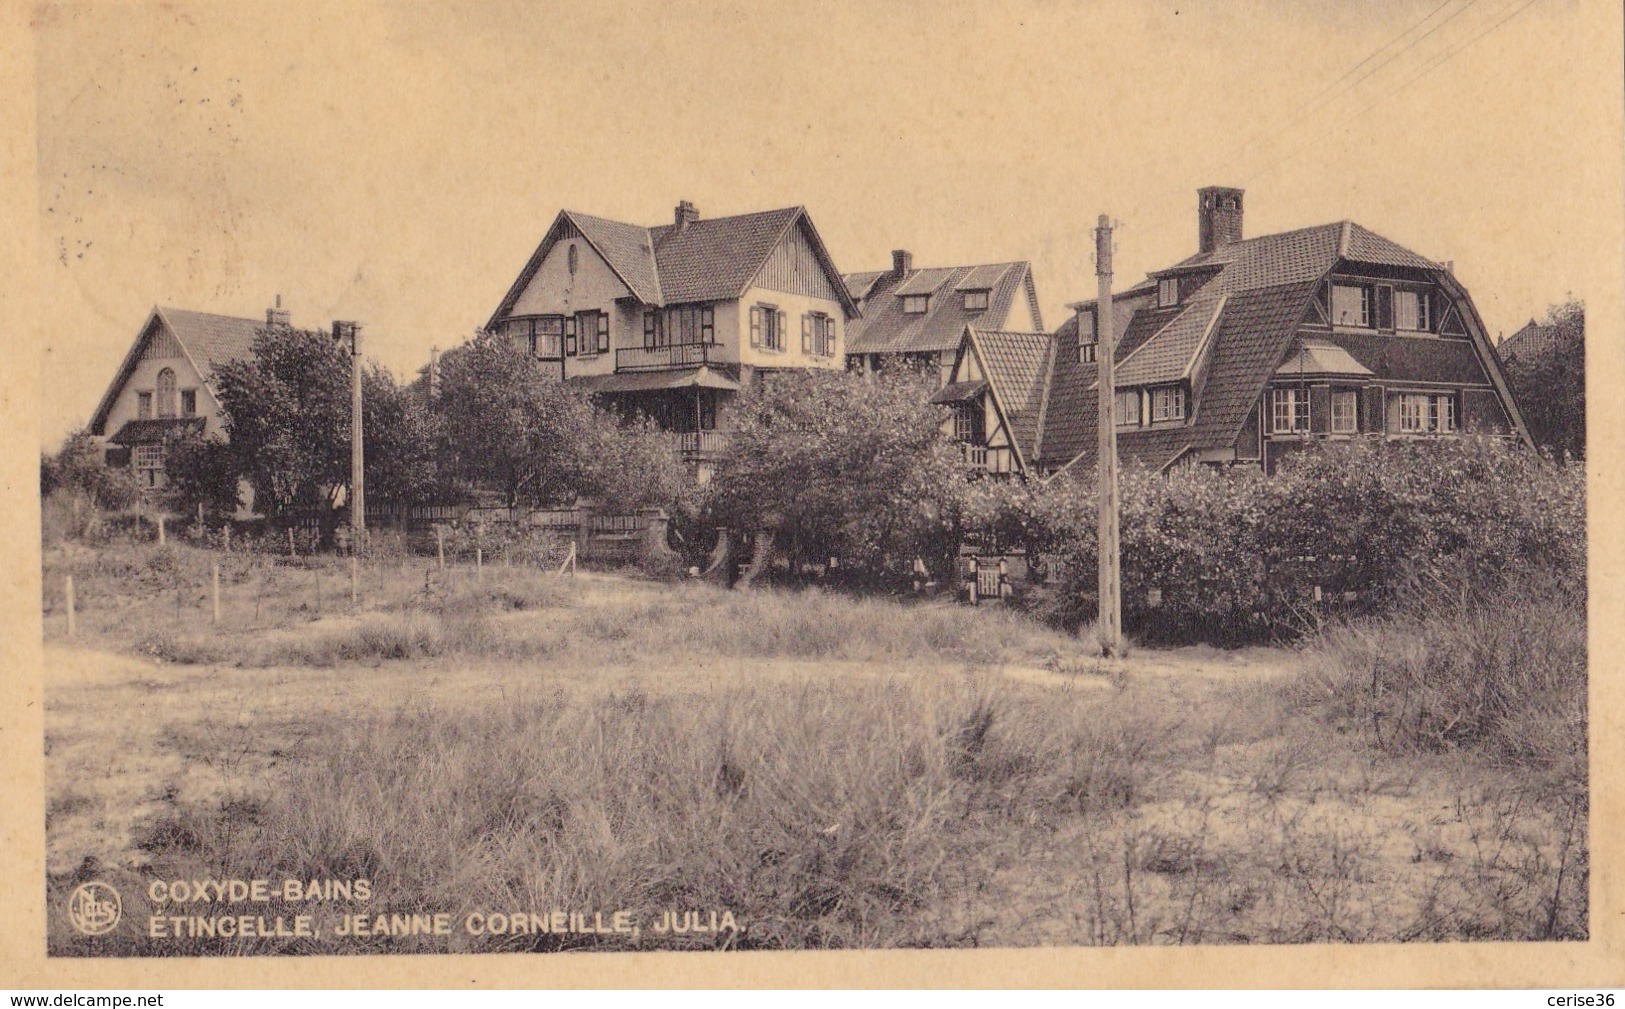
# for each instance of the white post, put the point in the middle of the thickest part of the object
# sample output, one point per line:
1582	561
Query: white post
291	551
440	545
479	564
215	582
355	580
160	530
72	623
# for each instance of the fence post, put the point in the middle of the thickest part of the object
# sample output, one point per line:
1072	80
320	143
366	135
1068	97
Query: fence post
355	580
440	545
291	551
160	530
316	580
975	578
479	564
72	623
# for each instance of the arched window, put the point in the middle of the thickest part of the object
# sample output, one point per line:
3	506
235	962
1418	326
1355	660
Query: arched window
166	393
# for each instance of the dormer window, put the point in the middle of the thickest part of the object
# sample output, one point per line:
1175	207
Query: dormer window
1351	305
1167	292
1087	340
916	304
976	301
1411	311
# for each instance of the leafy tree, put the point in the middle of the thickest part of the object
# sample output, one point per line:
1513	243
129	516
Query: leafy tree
1550	383
287	413
837	464
401	433
80	487
200	470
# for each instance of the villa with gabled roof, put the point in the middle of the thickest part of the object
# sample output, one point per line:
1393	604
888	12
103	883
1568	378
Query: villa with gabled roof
918	315
672	321
1247	351
165	384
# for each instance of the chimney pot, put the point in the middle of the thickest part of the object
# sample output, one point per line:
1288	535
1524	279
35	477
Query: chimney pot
902	262
1218	217
275	315
685	214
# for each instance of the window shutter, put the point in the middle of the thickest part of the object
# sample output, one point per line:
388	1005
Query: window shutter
648	330
755	326
1385	307
570	336
806	334
778	330
1320	409
603	333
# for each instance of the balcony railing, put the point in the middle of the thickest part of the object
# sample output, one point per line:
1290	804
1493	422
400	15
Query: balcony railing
691	444
681	355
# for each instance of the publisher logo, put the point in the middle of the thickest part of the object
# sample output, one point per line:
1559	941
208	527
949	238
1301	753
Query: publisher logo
94	908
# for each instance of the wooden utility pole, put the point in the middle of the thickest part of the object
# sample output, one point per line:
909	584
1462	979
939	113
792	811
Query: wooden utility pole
358	496
1111	602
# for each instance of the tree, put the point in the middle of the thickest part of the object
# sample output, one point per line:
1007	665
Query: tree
82	486
287	414
506	424
842	465
1550	383
200	471
401	434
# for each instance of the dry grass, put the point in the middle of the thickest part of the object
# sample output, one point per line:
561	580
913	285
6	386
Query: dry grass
834	772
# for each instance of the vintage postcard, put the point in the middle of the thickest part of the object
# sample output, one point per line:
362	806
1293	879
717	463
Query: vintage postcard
1091	494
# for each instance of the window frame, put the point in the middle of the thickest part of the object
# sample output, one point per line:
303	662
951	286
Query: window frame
1367	306
922	300
1167	292
1121	415
1299	410
147	461
143	405
1424	310
188	405
1088	353
984	298
1428	413
767	325
1349	398
164	397
1171	395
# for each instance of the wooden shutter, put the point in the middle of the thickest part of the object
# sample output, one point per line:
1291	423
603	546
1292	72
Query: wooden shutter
806	334
603	332
1320	409
570	336
779	330
755	326
1385	307
708	325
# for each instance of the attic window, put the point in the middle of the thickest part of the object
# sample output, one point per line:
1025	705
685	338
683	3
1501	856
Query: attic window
1411	311
1351	305
143	406
1167	292
188	402
1167	403
976	301
916	304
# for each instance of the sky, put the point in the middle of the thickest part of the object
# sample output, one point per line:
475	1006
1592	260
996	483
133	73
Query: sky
397	163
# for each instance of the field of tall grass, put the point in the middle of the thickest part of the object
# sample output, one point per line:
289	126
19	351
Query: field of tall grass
828	771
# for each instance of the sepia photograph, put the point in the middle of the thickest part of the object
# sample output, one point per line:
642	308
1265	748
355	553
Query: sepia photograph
558	478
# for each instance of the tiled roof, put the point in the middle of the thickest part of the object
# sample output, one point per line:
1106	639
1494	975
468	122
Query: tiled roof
886	329
708	259
958	392
1170	355
213	340
859	284
714	258
1253	335
1532	339
925	281
1016	365
628	250
150	431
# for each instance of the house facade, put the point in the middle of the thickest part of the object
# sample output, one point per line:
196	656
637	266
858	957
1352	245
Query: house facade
1253	348
672	321
918	315
165	387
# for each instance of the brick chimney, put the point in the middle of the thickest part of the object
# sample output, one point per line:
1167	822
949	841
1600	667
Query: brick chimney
1218	217
902	261
685	215
277	315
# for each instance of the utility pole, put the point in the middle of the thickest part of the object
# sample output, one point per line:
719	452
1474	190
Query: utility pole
1111	602
358	498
